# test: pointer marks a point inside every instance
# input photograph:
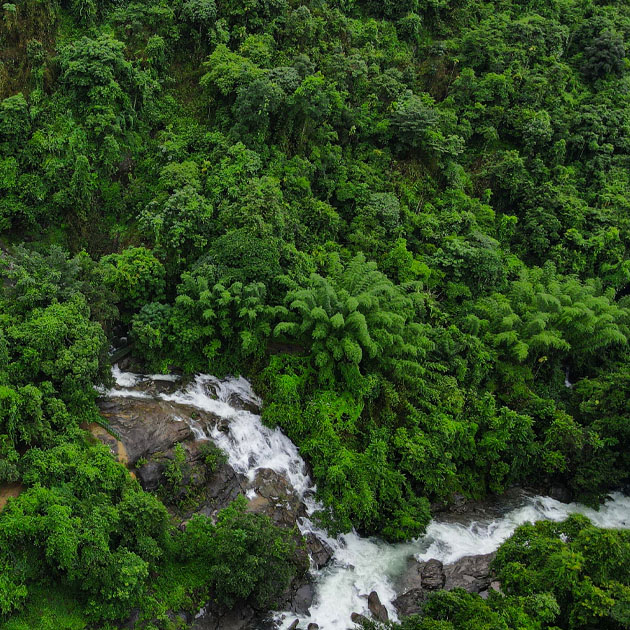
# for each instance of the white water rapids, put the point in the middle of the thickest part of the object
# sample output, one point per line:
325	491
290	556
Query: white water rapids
359	565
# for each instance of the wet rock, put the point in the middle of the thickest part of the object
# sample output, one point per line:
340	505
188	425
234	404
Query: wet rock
150	475
432	575
319	551
411	578
145	426
302	598
561	493
379	612
238	402
276	498
410	603
221	488
223	424
462	510
358	618
471	573
312	626
294	625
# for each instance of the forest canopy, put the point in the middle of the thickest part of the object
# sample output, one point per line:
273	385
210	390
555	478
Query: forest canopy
406	221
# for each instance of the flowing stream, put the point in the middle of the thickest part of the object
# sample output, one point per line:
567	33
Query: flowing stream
359	565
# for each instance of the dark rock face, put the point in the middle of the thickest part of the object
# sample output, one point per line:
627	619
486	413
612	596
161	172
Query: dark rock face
379	612
150	475
432	575
561	493
461	509
276	498
410	603
319	550
471	573
145	426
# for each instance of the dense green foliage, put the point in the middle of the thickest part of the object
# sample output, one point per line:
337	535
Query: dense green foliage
560	576
81	524
405	220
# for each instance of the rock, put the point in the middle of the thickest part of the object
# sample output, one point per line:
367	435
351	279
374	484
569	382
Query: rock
150	475
222	488
432	575
312	626
294	625
223	424
411	578
302	598
319	551
471	573
561	493
276	498
145	426
379	612
240	402
410	603
462	510
357	618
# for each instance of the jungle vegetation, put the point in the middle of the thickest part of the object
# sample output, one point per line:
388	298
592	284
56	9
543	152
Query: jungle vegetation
407	221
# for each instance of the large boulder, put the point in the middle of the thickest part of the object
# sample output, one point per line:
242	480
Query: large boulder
379	612
319	550
145	426
411	602
471	573
432	575
276	498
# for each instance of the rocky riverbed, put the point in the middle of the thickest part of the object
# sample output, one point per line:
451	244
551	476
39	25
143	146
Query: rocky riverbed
351	577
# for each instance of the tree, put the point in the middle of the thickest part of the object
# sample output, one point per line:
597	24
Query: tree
349	318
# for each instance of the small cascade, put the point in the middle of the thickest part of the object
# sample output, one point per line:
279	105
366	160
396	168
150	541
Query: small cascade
359	565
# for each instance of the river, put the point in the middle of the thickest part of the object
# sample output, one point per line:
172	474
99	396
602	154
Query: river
359	565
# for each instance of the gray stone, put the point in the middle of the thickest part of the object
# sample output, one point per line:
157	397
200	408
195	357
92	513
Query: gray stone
432	575
302	598
319	551
150	475
145	426
358	618
410	603
276	498
379	612
561	493
471	573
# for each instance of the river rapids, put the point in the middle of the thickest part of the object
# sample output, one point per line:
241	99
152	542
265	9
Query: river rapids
359	565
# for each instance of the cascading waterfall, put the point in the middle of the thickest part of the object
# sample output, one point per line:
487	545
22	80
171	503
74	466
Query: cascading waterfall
359	565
